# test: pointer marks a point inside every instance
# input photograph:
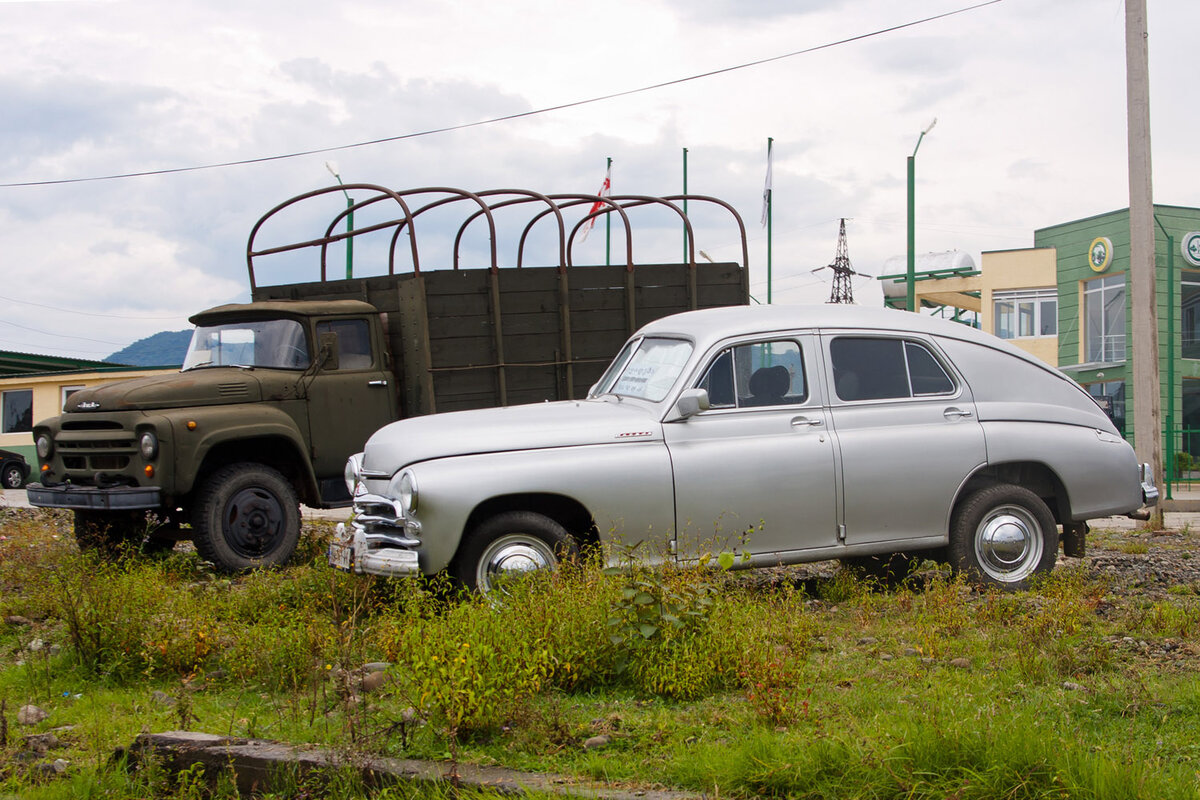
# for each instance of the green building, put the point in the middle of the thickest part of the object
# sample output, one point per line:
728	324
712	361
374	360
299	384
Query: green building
1094	334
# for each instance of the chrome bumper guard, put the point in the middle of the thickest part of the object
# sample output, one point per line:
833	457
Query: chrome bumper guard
378	540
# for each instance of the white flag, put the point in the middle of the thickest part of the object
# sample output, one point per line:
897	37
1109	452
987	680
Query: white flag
767	185
605	191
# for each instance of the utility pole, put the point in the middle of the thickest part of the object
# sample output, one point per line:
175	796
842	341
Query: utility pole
1147	388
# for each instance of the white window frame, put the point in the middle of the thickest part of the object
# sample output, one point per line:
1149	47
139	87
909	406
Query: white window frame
1036	298
65	392
1112	345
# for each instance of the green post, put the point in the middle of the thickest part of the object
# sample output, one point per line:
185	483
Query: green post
770	193
349	221
608	219
685	235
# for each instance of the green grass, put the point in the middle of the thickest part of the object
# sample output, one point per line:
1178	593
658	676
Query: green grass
725	684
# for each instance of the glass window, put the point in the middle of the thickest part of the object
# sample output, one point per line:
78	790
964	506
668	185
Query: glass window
1110	395
648	369
16	411
1189	314
354	341
1025	313
1104	319
876	369
277	343
757	374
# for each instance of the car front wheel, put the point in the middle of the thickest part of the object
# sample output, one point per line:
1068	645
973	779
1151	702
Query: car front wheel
510	544
1003	535
13	477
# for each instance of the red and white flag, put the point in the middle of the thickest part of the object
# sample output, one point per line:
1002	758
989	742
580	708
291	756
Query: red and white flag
605	191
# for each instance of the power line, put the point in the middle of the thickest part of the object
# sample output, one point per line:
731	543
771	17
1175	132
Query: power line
506	117
85	313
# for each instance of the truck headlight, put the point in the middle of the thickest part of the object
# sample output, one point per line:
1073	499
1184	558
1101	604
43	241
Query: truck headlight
404	488
353	472
148	444
45	446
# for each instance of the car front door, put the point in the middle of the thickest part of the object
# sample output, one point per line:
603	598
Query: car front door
907	434
755	472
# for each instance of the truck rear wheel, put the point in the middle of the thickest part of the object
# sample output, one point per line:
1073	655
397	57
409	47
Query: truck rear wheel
246	516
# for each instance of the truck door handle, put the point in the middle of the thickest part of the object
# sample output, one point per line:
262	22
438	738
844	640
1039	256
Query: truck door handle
800	422
376	383
956	413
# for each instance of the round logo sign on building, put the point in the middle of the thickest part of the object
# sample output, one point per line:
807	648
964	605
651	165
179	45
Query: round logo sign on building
1100	253
1191	248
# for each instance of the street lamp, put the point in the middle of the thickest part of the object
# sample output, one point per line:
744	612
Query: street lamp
912	221
349	221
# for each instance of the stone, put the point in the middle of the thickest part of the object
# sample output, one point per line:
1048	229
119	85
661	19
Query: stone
911	652
35	645
1071	686
865	640
961	663
374	681
30	715
41	742
375	666
161	698
595	742
17	620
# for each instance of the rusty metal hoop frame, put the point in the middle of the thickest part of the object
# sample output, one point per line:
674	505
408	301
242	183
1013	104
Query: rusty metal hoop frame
555	204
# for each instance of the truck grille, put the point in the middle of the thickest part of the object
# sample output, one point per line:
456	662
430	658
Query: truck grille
95	447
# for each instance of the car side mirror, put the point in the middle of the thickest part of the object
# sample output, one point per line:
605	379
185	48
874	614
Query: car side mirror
327	344
689	404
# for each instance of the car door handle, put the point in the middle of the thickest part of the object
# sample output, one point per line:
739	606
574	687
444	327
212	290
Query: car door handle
799	422
376	383
957	413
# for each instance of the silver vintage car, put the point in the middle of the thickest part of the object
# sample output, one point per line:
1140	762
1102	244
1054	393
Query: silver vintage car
783	434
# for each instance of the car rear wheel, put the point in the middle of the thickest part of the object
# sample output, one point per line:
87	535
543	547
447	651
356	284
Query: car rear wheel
510	544
246	516
13	477
1003	535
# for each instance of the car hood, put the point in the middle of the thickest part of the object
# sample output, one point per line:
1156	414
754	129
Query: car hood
204	387
529	427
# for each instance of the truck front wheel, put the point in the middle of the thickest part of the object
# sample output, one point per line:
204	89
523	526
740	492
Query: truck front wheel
246	516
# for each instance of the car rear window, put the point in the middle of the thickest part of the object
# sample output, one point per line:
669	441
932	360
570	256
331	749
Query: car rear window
866	368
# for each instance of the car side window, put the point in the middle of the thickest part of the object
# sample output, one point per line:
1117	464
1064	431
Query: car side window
757	374
867	368
354	342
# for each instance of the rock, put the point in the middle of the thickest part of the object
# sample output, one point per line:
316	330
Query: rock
41	742
595	742
885	657
161	698
55	768
865	640
911	652
375	666
961	663
408	715
35	645
374	681
1072	687
30	715
17	620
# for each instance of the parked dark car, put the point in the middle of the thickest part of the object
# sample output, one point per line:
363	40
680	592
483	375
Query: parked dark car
13	469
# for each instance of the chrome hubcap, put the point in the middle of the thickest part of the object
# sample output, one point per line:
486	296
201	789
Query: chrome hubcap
514	554
1008	543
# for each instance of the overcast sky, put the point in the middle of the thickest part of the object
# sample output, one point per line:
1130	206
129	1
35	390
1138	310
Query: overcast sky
1029	96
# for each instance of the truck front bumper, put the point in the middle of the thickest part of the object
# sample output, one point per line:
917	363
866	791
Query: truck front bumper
121	498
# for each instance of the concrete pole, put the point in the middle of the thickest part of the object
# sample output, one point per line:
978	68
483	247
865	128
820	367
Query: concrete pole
1147	389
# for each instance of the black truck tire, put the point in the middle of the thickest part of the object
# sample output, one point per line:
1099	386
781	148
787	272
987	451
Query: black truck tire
246	516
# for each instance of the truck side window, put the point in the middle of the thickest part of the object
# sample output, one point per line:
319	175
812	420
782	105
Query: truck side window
354	342
757	374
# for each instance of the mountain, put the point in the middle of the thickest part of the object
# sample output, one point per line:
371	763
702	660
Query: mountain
163	349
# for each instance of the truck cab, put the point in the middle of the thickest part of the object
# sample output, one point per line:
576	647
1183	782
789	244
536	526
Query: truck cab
271	399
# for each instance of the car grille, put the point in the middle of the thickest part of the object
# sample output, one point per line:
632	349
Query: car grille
381	521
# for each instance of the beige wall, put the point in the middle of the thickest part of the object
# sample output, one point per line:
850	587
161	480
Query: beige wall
47	396
1004	270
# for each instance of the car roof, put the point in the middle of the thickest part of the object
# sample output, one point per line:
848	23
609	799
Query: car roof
711	325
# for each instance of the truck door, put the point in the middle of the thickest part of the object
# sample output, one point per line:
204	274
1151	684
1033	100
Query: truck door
348	404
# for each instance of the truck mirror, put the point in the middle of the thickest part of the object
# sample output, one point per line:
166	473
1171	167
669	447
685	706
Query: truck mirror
328	355
690	403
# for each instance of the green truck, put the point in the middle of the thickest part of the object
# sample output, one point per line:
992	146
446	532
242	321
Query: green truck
276	394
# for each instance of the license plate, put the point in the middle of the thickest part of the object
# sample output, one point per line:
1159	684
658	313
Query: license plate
341	556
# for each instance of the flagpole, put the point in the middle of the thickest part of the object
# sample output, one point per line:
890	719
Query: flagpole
685	235
608	220
770	192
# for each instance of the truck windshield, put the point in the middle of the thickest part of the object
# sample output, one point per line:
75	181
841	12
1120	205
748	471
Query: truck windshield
646	369
271	343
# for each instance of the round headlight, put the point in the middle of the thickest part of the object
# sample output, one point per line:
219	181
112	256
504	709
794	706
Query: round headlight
406	489
148	445
353	472
45	446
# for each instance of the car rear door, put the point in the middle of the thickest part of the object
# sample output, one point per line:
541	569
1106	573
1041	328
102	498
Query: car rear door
907	434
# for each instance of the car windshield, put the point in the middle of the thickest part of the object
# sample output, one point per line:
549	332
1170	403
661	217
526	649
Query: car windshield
646	369
272	343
